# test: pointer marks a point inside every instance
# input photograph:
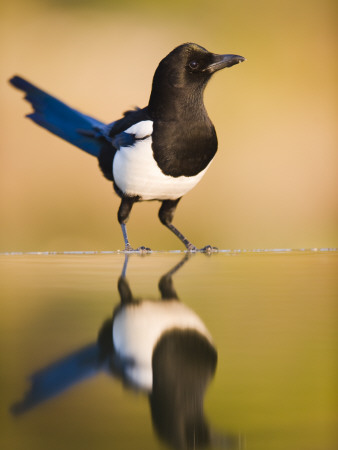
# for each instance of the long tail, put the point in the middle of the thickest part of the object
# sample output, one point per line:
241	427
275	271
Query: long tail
83	131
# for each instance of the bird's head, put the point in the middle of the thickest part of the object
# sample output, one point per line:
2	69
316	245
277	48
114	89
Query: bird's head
192	64
186	70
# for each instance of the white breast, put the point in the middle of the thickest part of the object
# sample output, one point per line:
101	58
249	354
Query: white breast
136	172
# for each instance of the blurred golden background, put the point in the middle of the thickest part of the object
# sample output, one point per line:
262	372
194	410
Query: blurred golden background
273	183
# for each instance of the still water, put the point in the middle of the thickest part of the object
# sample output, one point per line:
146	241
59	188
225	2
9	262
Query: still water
231	350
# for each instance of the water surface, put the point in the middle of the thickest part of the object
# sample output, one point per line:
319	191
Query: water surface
257	368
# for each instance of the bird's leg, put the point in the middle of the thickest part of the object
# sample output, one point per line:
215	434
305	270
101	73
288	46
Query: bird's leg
127	246
166	214
123	216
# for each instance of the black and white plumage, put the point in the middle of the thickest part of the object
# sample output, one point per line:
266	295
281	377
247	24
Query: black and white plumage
159	152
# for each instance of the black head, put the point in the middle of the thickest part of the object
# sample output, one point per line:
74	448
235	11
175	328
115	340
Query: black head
191	63
186	70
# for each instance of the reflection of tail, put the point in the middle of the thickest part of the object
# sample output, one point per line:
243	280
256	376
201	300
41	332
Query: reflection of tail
59	376
83	131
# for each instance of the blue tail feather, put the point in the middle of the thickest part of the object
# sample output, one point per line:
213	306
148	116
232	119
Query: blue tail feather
79	129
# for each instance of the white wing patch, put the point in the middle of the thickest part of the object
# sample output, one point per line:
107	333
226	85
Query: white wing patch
141	129
136	172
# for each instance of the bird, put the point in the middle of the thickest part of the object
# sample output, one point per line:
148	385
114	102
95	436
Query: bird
158	152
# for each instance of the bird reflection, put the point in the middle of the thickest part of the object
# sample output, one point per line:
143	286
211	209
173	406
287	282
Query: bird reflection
159	347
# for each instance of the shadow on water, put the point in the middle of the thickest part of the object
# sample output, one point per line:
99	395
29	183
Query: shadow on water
161	348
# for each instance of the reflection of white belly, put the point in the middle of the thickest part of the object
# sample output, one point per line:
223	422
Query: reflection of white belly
137	173
137	328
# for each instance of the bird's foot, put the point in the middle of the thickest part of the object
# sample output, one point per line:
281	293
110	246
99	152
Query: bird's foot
208	249
142	250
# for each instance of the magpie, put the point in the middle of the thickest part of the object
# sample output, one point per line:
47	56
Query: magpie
159	152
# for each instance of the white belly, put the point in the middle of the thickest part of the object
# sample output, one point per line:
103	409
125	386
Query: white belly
136	173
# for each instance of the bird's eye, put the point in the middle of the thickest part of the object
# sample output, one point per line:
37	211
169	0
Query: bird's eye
193	64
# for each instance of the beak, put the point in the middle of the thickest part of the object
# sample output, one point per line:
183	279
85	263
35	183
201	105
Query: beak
221	61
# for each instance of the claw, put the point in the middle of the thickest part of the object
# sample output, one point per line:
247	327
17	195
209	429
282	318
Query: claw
209	249
142	250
